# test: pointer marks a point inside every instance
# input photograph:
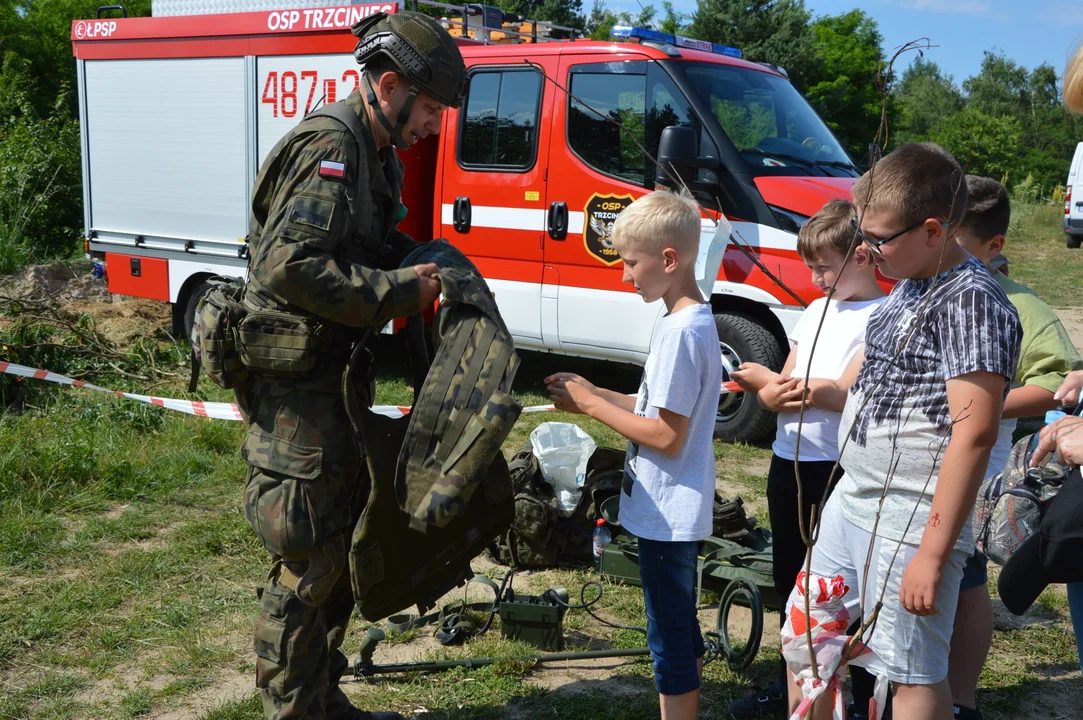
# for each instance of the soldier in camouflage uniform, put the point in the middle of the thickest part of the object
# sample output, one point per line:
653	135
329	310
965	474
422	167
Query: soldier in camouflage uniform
324	248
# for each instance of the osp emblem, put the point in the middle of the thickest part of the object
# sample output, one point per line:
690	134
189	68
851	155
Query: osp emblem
599	215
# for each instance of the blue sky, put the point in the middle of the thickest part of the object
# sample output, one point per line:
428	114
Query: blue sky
1028	31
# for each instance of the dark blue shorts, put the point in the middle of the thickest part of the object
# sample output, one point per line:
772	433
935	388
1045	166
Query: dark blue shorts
668	573
975	572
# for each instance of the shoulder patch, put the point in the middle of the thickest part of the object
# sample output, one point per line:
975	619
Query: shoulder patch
330	168
312	211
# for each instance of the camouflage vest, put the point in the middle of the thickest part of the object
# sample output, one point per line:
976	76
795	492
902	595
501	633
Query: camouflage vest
440	485
285	342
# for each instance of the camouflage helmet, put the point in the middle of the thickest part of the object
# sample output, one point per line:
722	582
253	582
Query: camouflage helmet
420	47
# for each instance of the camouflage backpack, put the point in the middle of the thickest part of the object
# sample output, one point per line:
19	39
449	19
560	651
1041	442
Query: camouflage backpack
215	335
544	536
1012	503
440	485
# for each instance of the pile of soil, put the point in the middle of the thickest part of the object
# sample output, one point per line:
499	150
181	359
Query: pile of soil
69	287
58	283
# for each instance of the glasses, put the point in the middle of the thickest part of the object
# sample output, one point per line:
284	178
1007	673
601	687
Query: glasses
875	244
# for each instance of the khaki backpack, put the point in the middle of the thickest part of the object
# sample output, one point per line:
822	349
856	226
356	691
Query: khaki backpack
542	535
440	485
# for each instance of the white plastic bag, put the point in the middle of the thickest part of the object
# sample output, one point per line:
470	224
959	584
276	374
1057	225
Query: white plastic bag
563	450
709	258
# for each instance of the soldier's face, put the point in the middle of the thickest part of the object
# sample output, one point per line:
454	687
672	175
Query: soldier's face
425	119
426	115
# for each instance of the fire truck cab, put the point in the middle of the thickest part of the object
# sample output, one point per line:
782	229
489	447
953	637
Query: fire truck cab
553	140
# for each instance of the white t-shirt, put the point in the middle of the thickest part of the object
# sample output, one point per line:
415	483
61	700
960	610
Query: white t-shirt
671	499
842	334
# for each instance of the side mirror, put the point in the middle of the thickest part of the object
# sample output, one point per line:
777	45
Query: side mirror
679	157
676	155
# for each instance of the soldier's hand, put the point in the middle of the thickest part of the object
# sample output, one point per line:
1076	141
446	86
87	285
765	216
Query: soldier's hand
428	287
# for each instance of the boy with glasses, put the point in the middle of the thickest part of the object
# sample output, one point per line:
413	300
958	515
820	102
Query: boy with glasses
922	410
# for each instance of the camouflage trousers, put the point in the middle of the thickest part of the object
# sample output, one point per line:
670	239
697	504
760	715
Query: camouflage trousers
306	485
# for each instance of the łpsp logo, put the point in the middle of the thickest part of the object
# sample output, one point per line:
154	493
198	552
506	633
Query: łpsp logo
85	29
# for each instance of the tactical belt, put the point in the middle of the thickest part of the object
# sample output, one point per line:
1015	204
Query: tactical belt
287	579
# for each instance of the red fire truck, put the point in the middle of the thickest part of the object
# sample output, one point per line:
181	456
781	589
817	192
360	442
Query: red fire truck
178	112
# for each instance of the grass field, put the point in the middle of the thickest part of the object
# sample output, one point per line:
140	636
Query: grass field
1039	258
127	570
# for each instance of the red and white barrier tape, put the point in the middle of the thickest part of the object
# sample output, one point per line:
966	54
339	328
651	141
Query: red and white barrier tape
216	410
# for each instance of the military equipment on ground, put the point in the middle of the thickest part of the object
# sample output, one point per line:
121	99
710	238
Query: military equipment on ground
537	620
542	535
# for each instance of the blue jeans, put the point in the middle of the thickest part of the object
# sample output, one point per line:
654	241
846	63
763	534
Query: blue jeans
1075	605
668	573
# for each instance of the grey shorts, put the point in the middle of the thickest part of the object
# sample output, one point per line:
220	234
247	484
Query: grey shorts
914	650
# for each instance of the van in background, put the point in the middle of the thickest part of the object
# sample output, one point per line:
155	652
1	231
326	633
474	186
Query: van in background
1073	209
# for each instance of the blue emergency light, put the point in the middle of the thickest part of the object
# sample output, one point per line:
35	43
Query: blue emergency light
648	35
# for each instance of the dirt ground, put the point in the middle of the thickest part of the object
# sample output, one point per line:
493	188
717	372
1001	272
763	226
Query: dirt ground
1072	318
69	287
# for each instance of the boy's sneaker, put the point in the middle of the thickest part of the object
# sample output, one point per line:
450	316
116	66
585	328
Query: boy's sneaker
771	701
965	713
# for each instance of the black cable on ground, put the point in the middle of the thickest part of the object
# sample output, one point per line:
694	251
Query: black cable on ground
587	605
718	643
743	589
496	605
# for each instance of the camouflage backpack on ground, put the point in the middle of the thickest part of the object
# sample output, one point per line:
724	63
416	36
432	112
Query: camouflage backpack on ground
1012	503
440	485
215	335
544	536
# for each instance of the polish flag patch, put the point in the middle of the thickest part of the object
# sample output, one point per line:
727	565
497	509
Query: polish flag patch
330	168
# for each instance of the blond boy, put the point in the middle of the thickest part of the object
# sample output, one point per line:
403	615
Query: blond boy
668	491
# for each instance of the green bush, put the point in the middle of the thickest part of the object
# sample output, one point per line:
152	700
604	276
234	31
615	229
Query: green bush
41	202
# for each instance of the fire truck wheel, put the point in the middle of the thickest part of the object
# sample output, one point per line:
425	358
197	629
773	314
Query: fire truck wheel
1073	241
190	307
742	339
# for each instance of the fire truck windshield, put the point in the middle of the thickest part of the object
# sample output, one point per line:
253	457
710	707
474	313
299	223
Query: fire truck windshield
775	130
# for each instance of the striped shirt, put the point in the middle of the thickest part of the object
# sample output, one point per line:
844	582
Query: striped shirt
960	324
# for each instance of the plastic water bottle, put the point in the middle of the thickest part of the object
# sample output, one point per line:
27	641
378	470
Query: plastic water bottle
601	539
1051	417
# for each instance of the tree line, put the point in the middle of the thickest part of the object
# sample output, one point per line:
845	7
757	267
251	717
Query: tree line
1007	121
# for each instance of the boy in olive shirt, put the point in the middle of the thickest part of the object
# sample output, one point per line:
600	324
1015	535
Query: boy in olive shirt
1046	356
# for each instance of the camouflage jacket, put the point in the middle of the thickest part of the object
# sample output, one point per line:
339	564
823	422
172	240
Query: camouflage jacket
322	233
